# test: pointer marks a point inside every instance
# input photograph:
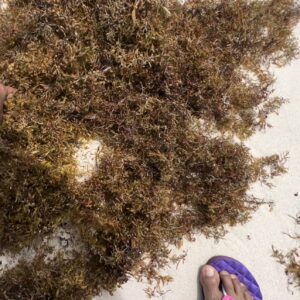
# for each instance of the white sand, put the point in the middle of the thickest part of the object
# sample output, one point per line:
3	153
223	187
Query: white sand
86	158
267	227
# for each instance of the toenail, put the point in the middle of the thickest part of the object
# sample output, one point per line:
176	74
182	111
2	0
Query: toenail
209	271
224	273
233	276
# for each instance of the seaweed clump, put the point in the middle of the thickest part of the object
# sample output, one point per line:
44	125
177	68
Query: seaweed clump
165	87
292	264
291	259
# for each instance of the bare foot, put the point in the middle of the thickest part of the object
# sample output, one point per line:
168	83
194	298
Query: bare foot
5	91
210	280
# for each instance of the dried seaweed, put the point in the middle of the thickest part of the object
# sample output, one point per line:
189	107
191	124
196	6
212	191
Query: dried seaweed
292	264
38	280
291	259
164	86
31	200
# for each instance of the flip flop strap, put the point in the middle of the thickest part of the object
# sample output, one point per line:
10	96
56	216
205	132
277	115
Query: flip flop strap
227	298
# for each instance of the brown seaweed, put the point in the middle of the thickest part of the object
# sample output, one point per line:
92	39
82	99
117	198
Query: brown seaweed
137	75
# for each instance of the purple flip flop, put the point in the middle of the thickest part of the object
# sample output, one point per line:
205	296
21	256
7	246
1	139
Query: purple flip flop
232	266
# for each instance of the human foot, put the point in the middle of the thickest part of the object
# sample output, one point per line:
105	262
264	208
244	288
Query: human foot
210	280
5	91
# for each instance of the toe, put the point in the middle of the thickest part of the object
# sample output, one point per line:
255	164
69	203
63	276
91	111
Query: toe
10	90
237	285
210	281
244	288
248	296
227	283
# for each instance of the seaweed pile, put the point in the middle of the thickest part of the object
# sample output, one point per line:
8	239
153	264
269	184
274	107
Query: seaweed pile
165	86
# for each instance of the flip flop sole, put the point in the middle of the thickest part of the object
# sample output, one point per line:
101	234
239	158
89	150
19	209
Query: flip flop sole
233	266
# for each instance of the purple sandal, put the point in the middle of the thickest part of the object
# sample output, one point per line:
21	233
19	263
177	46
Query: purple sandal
232	266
